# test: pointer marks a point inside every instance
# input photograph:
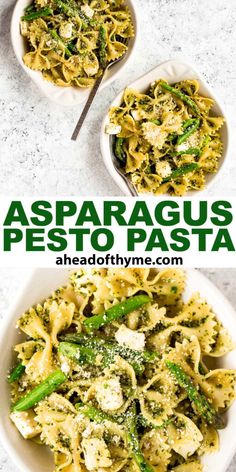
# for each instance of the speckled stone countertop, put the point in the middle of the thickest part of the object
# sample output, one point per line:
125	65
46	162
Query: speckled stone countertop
37	155
10	280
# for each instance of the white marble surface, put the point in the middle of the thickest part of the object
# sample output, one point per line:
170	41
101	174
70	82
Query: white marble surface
11	279
37	155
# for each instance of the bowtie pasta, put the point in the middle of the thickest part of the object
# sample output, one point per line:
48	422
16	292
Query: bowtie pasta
72	41
167	140
113	374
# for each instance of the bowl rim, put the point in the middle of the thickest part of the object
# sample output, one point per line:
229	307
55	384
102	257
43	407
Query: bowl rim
105	139
43	85
10	317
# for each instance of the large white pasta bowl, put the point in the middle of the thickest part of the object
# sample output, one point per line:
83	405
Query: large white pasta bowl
66	96
173	71
31	457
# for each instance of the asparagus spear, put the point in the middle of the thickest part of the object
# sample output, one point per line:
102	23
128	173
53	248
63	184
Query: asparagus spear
79	354
181	171
118	150
88	352
70	9
205	410
16	373
56	36
188	123
67	9
49	385
189	131
133	441
102	344
111	348
37	14
192	151
102	45
116	312
185	98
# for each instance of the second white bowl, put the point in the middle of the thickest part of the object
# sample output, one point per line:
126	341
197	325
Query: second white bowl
173	71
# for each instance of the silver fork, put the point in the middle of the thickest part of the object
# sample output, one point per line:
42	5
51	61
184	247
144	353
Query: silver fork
119	169
94	92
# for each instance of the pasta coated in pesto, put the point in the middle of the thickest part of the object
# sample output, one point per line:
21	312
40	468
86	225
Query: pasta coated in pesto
72	41
136	393
167	140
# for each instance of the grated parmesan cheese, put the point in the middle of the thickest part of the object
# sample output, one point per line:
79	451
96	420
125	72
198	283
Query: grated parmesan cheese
25	423
113	129
130	338
154	134
65	30
88	11
163	169
191	142
109	394
65	367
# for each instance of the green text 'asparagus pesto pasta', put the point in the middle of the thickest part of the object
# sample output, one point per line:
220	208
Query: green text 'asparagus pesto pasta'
168	139
112	374
72	41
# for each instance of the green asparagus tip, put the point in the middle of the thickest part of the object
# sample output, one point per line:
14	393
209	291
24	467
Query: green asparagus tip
16	373
200	401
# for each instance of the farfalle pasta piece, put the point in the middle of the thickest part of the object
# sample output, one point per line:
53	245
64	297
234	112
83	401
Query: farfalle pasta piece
223	342
199	318
210	443
185	436
127	282
60	428
156	449
220	386
36	61
60	318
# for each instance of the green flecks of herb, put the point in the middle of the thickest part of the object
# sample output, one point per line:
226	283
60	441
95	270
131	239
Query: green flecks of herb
193	323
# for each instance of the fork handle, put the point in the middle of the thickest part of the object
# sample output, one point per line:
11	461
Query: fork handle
87	106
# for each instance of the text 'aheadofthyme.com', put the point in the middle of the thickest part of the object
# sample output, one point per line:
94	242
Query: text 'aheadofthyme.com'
115	260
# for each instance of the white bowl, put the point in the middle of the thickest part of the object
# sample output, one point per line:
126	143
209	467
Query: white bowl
66	96
173	71
30	457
